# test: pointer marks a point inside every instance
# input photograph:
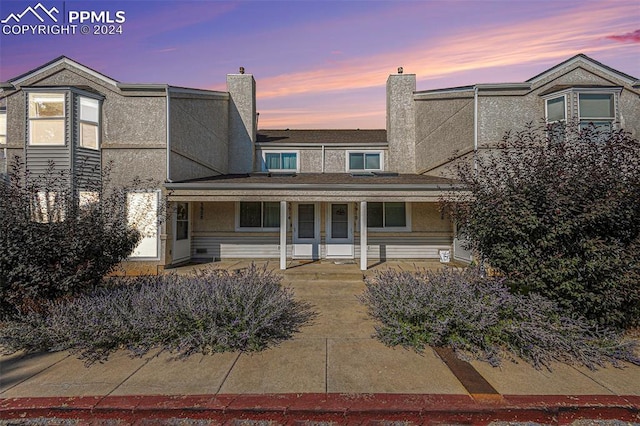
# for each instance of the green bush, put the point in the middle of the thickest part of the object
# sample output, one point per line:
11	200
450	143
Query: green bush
479	318
560	217
213	311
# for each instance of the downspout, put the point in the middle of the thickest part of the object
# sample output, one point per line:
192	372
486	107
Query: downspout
168	138
322	160
475	128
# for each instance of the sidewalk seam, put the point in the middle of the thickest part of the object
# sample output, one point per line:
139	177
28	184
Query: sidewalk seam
594	380
130	375
326	365
226	376
34	374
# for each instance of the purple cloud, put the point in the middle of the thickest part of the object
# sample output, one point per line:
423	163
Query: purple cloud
633	37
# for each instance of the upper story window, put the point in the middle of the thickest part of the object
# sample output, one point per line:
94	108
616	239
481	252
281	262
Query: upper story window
258	216
597	109
280	161
364	161
556	113
89	132
46	118
3	126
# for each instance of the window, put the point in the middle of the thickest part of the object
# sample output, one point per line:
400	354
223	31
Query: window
387	215
3	126
597	109
364	161
182	221
258	215
46	119
556	113
275	161
89	123
142	214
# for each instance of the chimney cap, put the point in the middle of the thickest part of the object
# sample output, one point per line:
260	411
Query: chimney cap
241	70
400	70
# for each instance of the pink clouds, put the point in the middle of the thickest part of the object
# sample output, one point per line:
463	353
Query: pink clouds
633	37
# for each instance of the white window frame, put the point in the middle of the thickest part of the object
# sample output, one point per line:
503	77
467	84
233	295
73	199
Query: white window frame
279	151
156	200
546	107
407	213
612	93
365	152
3	126
31	119
82	121
256	228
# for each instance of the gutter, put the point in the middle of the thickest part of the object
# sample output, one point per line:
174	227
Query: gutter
201	186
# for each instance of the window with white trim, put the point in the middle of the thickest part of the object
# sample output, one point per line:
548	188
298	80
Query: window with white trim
597	109
3	126
142	214
556	114
364	161
46	118
89	123
258	215
280	161
388	215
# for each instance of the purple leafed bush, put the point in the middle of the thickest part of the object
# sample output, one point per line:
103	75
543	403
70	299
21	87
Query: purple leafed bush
211	311
480	319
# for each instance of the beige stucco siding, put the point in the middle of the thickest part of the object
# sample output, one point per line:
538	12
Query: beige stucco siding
216	217
443	126
198	131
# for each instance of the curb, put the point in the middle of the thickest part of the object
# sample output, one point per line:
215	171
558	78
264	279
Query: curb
300	409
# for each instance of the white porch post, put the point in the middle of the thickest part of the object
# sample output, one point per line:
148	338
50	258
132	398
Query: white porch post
283	235
363	235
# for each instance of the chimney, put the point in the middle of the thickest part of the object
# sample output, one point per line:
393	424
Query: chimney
401	122
242	121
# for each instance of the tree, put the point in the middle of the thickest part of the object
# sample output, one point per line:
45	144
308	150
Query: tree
56	239
558	213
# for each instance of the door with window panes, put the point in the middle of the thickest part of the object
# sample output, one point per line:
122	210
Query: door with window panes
306	232
339	232
182	233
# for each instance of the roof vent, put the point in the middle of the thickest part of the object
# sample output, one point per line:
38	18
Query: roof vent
241	70
400	70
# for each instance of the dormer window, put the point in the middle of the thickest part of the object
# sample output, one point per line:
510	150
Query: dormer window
46	118
596	109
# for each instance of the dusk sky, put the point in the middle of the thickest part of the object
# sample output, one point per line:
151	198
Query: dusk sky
325	64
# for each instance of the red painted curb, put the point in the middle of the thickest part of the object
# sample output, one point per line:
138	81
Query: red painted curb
360	408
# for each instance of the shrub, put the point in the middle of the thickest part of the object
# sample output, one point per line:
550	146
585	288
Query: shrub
53	242
560	217
212	311
479	318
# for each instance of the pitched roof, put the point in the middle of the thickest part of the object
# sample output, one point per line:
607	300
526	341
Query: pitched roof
581	57
356	137
334	180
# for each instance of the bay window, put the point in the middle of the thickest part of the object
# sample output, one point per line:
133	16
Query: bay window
46	118
89	123
597	109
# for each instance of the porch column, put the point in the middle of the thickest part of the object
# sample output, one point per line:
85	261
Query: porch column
363	235
283	235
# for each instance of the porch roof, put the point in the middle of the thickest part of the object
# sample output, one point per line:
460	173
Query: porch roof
314	187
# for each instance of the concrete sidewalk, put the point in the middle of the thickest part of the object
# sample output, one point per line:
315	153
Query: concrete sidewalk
335	356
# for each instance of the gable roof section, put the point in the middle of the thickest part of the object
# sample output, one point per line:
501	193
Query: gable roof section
582	58
311	137
58	61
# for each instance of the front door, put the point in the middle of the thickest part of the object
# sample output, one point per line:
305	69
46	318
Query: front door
306	232
340	230
182	233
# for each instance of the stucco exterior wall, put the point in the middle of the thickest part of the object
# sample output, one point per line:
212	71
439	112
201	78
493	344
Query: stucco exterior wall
426	217
199	136
216	217
443	126
401	123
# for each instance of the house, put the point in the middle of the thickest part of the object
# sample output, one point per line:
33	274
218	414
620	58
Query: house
238	192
